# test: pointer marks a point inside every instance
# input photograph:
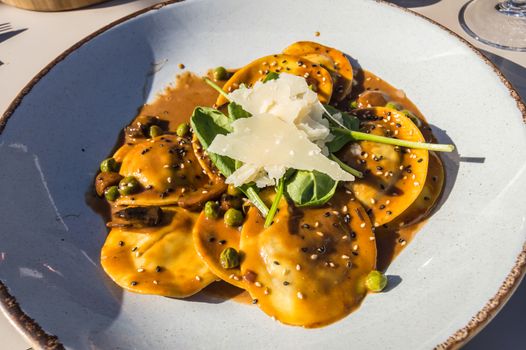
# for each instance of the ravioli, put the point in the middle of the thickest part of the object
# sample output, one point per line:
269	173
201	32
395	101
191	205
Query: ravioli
157	260
394	176
211	237
309	267
331	59
427	199
169	173
317	77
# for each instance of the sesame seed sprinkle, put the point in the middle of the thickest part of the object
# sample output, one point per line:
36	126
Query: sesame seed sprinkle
197	278
362	225
140	269
257	284
299	295
314	256
298	267
155	282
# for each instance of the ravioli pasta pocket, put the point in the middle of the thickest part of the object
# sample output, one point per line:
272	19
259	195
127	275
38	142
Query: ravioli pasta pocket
296	178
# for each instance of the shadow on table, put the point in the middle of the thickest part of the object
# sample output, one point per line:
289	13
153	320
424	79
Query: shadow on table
413	3
515	73
10	34
506	331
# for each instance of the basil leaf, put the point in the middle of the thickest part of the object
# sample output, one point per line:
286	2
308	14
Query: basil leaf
271	76
207	123
310	188
235	111
350	122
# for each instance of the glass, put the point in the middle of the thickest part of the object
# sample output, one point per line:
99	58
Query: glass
500	24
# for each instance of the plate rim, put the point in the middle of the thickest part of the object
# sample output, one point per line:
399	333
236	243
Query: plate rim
38	337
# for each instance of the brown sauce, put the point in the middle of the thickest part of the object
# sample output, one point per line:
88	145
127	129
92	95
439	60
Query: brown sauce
176	104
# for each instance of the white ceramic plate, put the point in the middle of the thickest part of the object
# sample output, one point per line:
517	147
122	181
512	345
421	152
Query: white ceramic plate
454	276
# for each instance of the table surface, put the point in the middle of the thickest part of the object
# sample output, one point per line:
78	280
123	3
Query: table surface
37	38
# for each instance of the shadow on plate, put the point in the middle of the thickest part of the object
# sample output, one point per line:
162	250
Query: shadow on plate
50	150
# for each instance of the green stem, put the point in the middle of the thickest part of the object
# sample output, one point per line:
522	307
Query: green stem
361	136
275	203
345	167
256	200
217	88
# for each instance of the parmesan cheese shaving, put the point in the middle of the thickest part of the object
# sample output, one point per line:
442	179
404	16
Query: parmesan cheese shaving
268	145
289	98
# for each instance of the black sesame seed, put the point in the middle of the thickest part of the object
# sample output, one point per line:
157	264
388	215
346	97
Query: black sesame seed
304	249
327	214
276	262
305	226
134	283
382	206
121	243
420	160
134	249
254	301
158	269
222	242
285	283
211	239
388	212
347	218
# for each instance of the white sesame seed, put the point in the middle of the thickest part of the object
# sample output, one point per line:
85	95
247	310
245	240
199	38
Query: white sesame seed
299	295
355	247
376	224
317	224
345	209
372	238
362	225
314	256
197	278
319	233
416	183
155	282
231	276
346	257
237	278
345	237
266	291
140	269
257	284
204	191
298	267
331	264
387	202
403	243
137	254
335	212
373	201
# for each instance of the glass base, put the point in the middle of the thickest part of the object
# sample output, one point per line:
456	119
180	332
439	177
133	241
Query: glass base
495	23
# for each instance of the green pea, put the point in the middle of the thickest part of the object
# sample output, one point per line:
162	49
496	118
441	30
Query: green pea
155	131
109	165
111	193
353	104
233	190
376	281
393	105
229	258
220	73
182	129
413	117
211	210
129	185
233	217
